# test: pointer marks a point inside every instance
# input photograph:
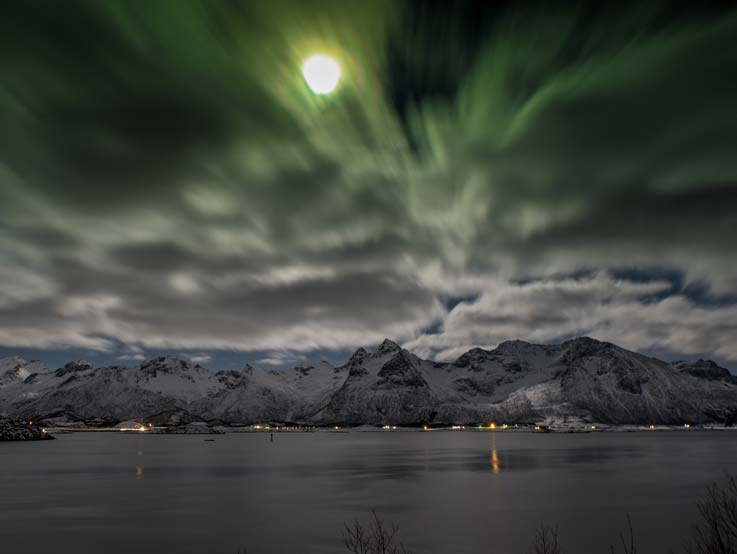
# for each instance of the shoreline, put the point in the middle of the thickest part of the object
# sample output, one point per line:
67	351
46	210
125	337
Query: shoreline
526	429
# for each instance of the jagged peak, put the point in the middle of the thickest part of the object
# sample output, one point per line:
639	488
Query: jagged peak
19	365
388	346
73	367
358	355
13	361
167	364
79	365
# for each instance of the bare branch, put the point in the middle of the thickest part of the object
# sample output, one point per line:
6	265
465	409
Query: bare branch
716	533
546	540
376	537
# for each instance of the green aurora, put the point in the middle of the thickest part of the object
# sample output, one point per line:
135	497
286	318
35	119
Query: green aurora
484	171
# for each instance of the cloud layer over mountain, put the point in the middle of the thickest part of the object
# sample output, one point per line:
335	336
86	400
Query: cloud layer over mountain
497	171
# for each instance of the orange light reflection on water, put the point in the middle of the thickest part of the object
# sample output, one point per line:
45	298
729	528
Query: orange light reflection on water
495	462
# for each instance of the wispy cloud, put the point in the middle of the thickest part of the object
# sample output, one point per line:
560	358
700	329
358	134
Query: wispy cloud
235	211
200	358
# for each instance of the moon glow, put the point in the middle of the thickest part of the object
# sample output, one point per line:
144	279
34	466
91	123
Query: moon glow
321	73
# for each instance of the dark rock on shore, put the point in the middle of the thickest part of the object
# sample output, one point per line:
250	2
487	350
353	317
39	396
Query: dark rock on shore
17	430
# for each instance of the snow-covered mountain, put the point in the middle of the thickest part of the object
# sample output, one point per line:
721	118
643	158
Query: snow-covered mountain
516	382
16	369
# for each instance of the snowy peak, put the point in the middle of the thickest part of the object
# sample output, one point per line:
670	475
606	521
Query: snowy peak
517	381
16	362
386	347
12	362
16	369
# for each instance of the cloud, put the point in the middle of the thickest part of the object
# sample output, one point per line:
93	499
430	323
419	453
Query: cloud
278	359
636	315
132	357
178	187
200	358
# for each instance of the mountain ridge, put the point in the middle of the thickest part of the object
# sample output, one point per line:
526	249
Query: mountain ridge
515	382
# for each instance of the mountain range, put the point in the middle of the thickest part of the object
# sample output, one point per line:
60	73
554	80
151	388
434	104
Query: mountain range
517	382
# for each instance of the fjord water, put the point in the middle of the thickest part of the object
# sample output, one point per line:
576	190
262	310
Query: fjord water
450	492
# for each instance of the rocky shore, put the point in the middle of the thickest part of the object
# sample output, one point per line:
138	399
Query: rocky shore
17	430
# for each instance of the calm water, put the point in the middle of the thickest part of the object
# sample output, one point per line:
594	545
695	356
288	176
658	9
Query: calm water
451	492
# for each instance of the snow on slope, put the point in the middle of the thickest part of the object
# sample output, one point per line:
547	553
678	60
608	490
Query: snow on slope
385	386
517	381
15	369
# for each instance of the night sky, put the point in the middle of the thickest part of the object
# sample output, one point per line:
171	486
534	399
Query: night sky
484	171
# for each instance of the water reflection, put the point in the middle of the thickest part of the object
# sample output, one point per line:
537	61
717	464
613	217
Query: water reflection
494	456
139	463
495	462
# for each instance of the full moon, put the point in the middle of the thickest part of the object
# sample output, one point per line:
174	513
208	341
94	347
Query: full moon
322	73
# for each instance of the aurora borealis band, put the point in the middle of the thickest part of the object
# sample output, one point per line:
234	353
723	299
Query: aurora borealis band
485	171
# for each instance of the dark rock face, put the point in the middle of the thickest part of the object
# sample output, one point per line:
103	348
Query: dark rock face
304	369
358	355
230	378
472	358
583	347
164	364
357	370
31	378
73	367
515	366
17	430
474	385
386	347
400	371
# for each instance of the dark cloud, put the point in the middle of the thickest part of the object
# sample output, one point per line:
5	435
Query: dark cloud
167	181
